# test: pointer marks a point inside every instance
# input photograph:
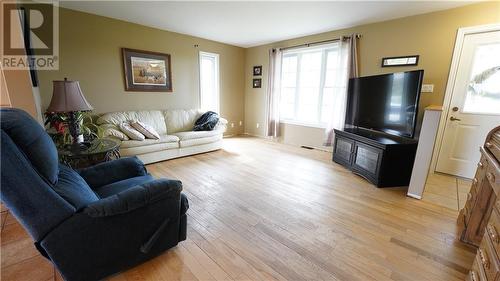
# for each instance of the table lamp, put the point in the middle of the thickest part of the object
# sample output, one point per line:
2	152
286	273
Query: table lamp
67	97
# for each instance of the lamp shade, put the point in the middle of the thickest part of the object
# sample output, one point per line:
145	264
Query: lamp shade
67	96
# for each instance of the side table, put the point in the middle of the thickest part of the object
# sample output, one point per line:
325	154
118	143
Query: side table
89	153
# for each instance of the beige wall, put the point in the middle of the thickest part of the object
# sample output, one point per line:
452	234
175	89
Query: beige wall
90	52
432	36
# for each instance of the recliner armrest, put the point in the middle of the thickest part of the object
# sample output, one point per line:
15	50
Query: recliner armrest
115	233
135	197
113	171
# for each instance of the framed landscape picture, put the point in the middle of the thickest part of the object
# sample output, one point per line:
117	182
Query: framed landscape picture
147	71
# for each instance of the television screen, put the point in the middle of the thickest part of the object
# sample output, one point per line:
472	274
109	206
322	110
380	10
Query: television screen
387	103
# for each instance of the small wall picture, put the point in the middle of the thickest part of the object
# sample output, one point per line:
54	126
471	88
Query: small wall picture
257	70
257	83
146	71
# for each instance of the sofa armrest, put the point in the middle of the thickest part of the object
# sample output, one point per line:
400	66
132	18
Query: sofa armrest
221	125
222	121
135	197
113	171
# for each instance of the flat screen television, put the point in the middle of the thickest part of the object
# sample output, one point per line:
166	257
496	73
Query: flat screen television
386	103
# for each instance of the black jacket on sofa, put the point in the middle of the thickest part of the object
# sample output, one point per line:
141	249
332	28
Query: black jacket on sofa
90	224
206	122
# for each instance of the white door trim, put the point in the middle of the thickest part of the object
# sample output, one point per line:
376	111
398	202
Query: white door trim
451	81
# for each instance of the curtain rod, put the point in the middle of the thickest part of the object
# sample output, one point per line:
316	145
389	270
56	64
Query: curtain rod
315	43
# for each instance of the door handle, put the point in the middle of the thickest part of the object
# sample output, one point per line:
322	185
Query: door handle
454	119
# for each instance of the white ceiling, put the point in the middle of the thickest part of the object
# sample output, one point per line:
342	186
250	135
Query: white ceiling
248	24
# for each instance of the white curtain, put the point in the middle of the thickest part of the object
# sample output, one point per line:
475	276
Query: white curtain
348	66
273	94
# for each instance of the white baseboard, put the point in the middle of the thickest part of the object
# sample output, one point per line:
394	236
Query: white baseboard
296	145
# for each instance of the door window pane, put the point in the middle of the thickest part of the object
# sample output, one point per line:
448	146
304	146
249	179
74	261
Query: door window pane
483	90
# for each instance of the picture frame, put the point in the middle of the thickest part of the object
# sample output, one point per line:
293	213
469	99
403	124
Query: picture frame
257	70
146	71
257	83
400	61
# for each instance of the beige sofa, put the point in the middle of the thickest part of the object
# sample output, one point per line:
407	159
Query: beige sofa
175	127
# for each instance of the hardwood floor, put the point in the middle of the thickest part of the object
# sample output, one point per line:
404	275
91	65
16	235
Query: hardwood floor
266	211
446	190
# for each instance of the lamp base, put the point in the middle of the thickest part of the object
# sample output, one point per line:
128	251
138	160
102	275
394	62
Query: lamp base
78	139
74	128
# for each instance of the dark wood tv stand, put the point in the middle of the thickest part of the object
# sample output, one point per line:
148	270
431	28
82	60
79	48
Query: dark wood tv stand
382	159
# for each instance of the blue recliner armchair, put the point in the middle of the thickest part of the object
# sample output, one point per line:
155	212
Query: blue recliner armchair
91	223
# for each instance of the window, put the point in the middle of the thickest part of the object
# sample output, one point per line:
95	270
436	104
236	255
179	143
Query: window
209	81
483	90
309	83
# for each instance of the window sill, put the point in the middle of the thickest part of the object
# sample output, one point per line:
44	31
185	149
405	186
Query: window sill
304	124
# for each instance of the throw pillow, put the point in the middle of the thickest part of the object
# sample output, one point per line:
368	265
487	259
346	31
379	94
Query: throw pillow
146	130
206	122
73	188
112	131
131	132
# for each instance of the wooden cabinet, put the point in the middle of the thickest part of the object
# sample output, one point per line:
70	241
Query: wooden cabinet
375	156
488	259
479	220
476	273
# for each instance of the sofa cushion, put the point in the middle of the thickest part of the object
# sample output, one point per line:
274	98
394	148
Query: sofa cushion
180	120
73	188
119	186
145	129
132	133
163	139
110	130
154	118
198	134
138	150
200	141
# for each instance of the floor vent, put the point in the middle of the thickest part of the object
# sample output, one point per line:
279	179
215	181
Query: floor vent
306	147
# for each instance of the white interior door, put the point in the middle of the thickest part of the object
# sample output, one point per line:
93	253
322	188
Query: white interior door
475	104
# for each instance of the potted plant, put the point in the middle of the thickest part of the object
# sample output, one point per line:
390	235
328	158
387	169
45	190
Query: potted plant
58	128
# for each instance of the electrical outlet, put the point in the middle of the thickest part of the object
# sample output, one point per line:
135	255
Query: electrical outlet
232	125
427	88
258	125
241	123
